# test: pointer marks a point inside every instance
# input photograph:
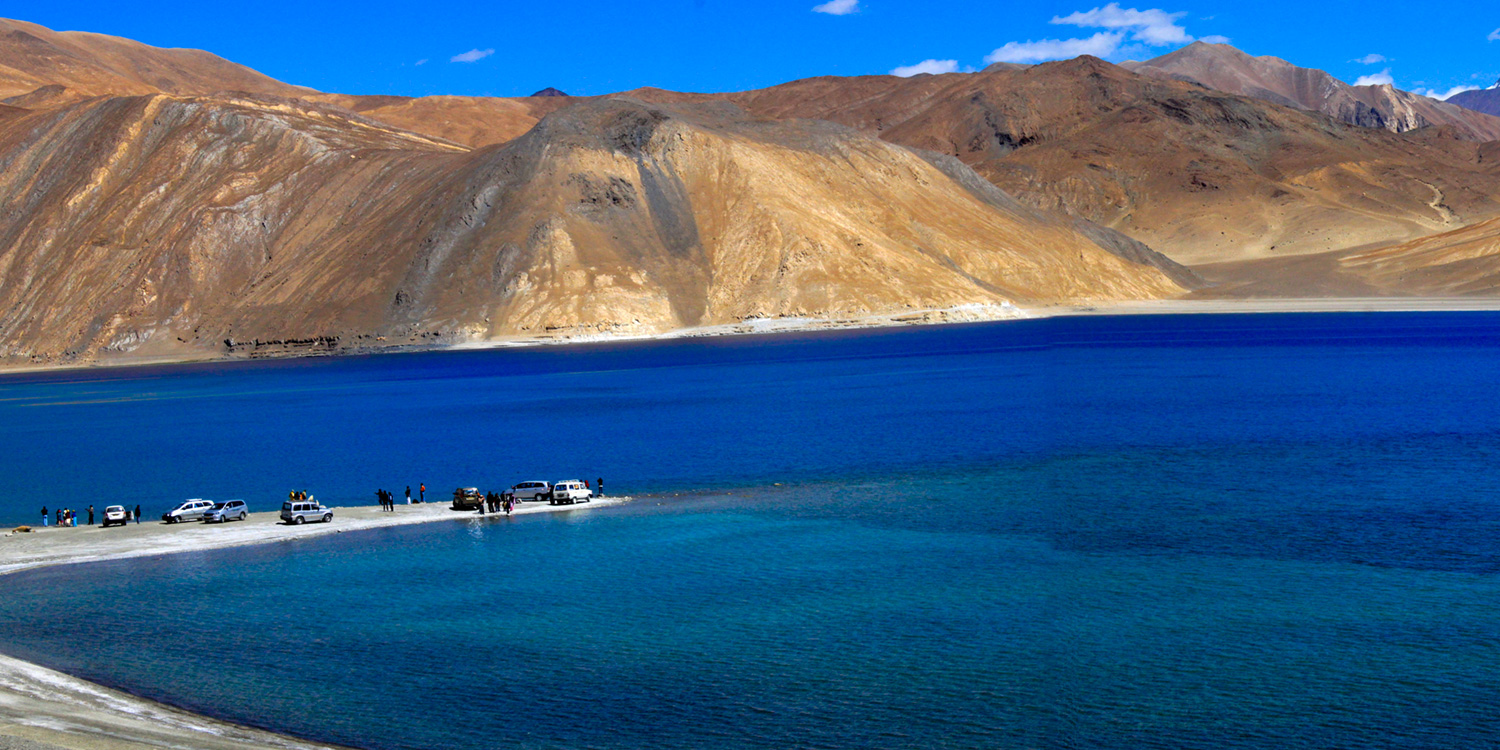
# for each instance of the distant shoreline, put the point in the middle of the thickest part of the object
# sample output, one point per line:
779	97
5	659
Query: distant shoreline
962	314
60	711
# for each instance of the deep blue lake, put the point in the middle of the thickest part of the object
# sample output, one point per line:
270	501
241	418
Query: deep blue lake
1236	531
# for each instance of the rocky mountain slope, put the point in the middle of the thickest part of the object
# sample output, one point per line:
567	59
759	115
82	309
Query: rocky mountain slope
1197	174
1224	68
187	225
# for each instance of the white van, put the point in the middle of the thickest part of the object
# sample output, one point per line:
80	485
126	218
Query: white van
570	491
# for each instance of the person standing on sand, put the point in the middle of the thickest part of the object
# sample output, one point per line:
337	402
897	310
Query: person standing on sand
408	494
138	514
45	516
505	502
91	514
599	487
422	492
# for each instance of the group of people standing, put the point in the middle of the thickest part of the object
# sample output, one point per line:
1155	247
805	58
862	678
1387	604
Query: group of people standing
495	502
64	516
69	518
388	501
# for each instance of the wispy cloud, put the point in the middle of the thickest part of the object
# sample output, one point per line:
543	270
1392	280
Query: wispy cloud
1154	26
1383	78
422	61
1444	96
1126	31
473	55
931	67
838	7
1494	36
1370	59
1102	44
1214	39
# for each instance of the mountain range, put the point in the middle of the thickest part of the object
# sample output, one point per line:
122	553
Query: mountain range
1224	68
1480	100
169	203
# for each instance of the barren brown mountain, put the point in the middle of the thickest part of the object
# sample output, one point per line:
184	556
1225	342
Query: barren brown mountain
146	208
1462	262
33	57
1224	68
474	121
1197	174
168	225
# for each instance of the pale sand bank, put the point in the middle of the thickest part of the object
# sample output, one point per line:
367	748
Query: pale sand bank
975	313
1271	305
39	705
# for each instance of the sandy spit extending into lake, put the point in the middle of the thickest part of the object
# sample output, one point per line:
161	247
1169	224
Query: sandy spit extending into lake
41	709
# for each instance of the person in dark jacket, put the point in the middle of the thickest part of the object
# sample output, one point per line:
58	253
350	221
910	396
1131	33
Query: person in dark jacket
91	514
137	514
408	494
599	487
45	516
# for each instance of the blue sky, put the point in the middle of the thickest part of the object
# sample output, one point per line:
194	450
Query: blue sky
596	46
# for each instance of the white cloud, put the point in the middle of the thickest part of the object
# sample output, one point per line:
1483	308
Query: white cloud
1102	44
1370	59
422	61
837	7
1494	36
1142	29
473	55
1443	96
1155	27
933	67
1214	39
1383	78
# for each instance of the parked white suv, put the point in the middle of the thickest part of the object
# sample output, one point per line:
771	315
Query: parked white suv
302	511
531	491
190	510
570	491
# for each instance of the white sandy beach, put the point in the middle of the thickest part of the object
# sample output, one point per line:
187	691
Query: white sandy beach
42	709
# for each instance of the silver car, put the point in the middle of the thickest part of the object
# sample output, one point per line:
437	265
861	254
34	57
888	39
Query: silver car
190	510
229	510
301	511
531	491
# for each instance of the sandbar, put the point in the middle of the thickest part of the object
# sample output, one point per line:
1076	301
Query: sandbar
42	709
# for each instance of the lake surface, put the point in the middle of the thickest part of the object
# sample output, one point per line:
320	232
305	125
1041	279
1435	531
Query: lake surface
1203	532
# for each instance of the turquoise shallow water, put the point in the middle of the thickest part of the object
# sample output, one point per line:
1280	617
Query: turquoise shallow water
1230	531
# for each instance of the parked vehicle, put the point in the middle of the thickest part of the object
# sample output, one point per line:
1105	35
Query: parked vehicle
301	511
570	491
467	498
116	515
230	510
531	491
190	510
